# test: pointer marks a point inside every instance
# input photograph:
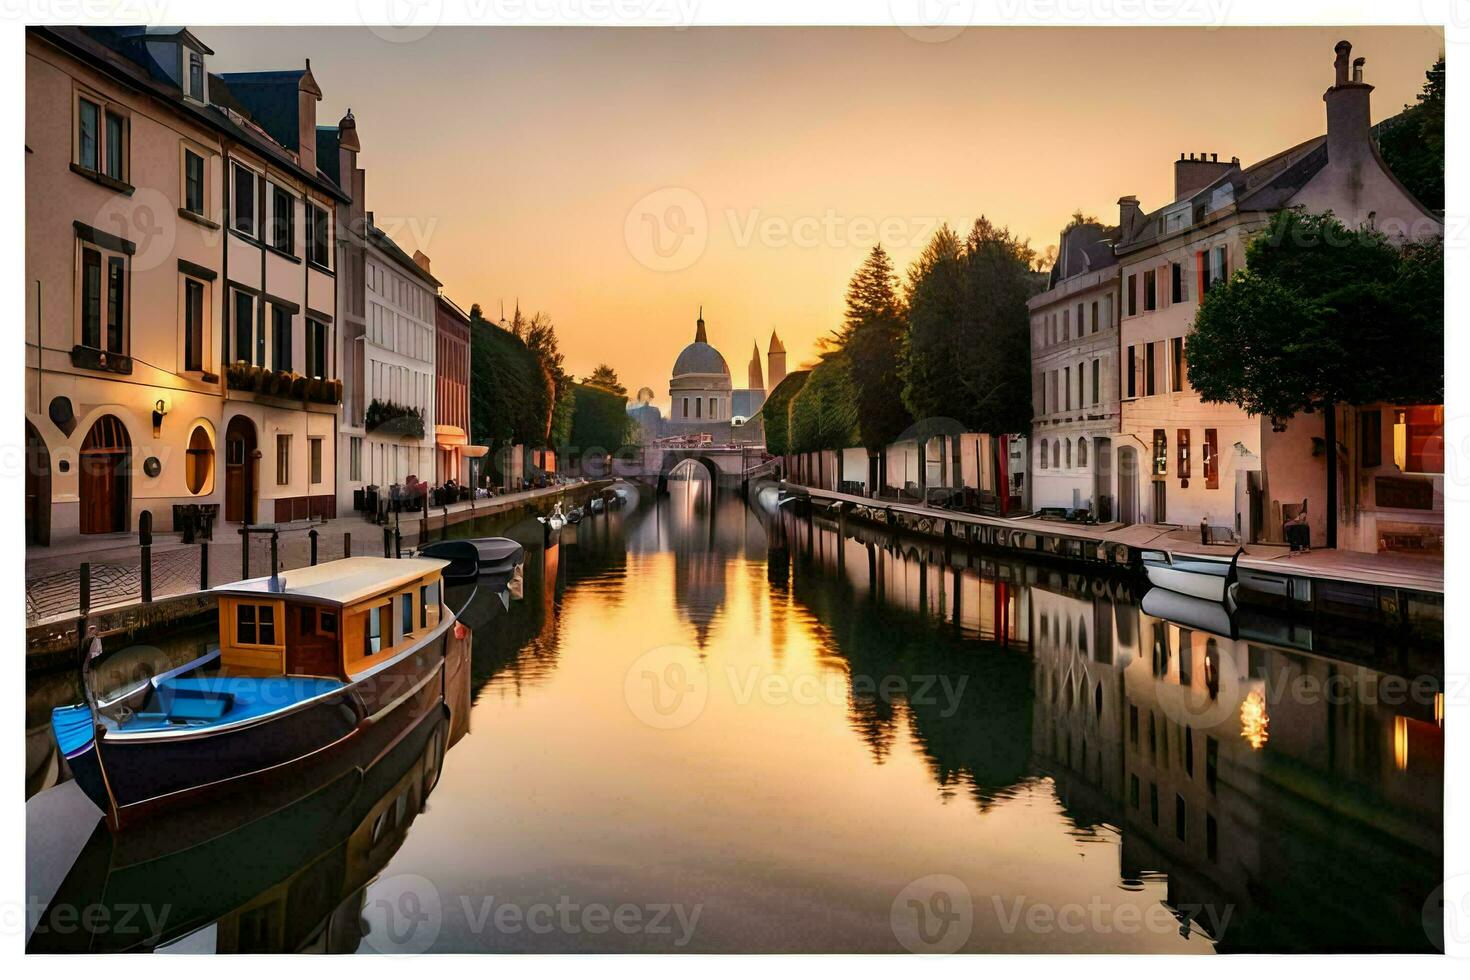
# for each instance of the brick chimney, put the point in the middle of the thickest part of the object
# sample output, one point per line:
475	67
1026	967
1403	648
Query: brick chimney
1197	172
422	261
1129	214
1349	131
307	96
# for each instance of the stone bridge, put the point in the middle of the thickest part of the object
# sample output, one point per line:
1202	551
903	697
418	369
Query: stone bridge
727	466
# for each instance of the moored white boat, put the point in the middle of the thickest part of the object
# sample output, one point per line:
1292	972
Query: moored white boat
1210	577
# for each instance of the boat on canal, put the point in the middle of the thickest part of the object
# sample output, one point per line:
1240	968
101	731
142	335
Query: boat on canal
556	520
1209	577
492	561
307	661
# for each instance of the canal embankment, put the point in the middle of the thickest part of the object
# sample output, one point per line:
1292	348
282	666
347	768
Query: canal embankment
1389	591
123	604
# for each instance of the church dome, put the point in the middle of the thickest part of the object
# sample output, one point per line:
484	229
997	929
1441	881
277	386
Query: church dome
700	358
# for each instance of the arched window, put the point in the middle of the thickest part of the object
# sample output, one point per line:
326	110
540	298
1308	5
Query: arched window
1056	453
199	461
1041	457
1082	452
1068	444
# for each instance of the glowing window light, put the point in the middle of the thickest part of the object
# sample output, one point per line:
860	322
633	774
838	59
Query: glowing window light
1439	709
1401	743
1254	723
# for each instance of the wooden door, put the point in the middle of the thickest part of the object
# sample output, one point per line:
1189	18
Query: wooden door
103	480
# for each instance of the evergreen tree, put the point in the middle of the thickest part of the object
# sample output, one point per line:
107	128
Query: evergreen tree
603	376
1413	146
931	362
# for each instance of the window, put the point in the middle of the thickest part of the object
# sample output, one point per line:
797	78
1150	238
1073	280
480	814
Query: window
1066	324
1081	452
316	349
193	182
379	621
698	407
116	303
314	455
1177	292
283	219
1213	267
91	297
1067	458
104	299
1176	357
283	459
198	461
1370	438
1041	456
1040	384
255	625
1067	387
1153	803
1096	380
1211	460
1148	370
1150	291
1133	795
326	623
280	338
1161	453
1081	317
685	413
1182	439
1132	372
1094	316
405	612
117	140
1418	439
193	325
428	598
89	119
243	218
354	458
318	241
1212	763
1056	454
245	329
1212	838
1133	295
1081	384
1180	824
196	76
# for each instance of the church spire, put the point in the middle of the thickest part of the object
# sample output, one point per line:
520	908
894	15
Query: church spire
753	373
699	337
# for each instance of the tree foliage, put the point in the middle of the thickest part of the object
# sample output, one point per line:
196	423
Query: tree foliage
603	376
510	393
599	419
1413	147
776	413
824	413
1322	314
968	350
872	337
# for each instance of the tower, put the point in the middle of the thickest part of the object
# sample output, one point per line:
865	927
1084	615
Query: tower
753	373
699	335
775	362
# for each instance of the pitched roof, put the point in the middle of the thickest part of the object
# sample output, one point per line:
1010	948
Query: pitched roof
123	55
378	237
272	98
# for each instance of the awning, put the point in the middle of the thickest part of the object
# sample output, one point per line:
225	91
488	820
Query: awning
474	452
449	436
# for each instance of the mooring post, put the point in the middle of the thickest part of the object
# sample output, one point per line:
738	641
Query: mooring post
203	565
145	541
387	541
312	535
244	551
275	564
346	544
397	543
85	599
444	531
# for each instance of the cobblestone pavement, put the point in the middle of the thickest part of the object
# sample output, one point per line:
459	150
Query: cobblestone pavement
53	581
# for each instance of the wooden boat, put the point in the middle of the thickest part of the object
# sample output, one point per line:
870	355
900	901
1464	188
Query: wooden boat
307	661
1210	577
574	516
494	560
556	520
1186	610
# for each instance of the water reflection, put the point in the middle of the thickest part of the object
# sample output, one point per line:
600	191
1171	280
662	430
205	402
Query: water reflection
875	711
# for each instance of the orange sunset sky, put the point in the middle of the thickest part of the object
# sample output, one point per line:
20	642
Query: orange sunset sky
618	178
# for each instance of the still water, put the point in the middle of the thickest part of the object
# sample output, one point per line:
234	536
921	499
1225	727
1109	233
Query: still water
717	727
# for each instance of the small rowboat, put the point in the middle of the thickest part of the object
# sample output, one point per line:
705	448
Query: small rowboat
556	520
307	661
477	559
1210	577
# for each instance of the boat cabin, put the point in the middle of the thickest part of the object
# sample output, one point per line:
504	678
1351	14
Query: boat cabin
337	620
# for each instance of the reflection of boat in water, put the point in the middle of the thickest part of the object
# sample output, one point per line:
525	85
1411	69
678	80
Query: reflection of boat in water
493	561
1209	577
597	505
307	661
280	868
1188	610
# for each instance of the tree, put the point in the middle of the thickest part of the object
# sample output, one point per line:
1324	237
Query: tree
872	339
776	413
599	419
824	412
510	392
1322	315
540	336
931	368
604	377
1413	144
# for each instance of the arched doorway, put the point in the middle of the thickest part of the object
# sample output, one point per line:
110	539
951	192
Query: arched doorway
104	484
1127	485
38	488
240	475
199	462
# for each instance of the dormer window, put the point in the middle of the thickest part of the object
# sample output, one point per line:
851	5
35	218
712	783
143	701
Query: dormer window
194	75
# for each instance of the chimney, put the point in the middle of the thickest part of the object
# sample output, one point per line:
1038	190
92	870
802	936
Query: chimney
1197	173
1349	132
307	96
422	261
1129	214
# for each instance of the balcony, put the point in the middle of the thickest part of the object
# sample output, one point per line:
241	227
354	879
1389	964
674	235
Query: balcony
241	376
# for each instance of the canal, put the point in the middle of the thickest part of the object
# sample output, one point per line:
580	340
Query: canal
717	726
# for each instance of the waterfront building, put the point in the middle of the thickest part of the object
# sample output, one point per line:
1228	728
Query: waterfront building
1182	461
179	286
454	455
1074	352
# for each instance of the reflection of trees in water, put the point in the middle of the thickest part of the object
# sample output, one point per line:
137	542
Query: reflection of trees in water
979	740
